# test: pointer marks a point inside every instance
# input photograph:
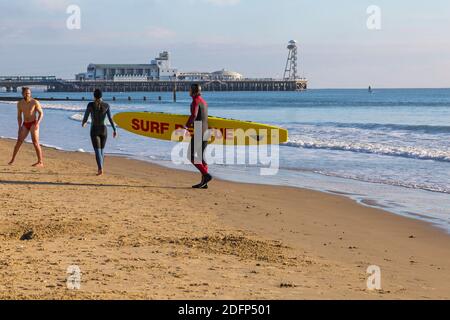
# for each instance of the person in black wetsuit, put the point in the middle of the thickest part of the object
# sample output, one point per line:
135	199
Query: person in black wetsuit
199	112
99	110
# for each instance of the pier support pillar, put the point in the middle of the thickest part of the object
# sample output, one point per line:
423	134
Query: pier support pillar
8	89
14	89
175	93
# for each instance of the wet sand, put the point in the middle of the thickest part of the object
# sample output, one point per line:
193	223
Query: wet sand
141	232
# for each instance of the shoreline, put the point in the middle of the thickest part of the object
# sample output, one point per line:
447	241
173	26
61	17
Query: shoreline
151	239
363	200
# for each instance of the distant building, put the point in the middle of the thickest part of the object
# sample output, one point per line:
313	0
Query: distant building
158	69
226	75
132	77
194	76
222	75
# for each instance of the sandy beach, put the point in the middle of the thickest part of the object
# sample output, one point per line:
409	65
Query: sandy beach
140	232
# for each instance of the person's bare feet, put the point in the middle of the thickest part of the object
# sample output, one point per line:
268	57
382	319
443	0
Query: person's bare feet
11	163
99	173
38	165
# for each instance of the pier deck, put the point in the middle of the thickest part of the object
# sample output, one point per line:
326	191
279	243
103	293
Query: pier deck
56	85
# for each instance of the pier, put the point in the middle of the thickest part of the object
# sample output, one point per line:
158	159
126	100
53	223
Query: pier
53	84
14	83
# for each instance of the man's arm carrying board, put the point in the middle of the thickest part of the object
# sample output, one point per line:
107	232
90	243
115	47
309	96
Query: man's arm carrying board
169	127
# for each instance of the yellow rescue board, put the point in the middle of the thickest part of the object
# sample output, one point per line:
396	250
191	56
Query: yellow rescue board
166	126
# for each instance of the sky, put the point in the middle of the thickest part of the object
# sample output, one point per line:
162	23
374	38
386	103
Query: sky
411	48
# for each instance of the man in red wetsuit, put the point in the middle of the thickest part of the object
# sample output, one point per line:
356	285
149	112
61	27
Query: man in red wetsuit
199	113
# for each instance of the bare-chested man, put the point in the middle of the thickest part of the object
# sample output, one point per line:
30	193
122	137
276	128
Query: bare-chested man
29	107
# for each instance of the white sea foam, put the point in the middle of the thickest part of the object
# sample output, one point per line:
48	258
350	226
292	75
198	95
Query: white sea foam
392	182
63	107
373	148
54	106
79	117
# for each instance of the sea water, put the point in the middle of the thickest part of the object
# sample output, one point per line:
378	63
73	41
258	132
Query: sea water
388	149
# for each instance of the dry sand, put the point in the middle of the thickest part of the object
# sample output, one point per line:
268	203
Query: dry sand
140	232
